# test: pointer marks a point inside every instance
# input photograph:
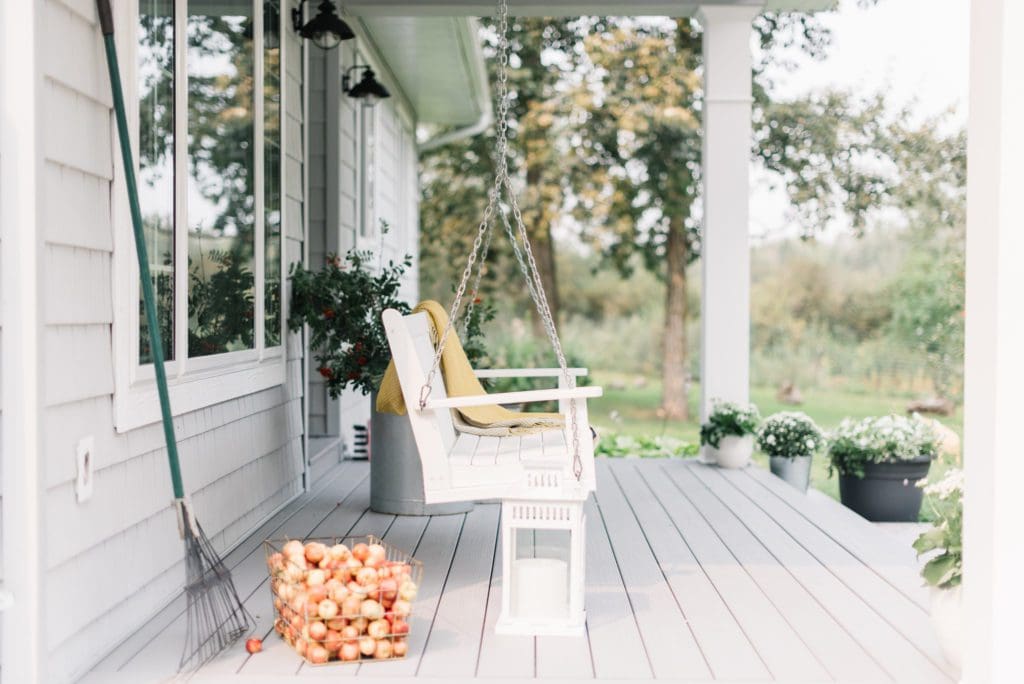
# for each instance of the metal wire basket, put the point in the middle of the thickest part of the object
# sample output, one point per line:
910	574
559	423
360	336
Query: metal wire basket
342	600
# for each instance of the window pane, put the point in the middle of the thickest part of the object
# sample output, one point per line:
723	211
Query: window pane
156	164
272	171
221	213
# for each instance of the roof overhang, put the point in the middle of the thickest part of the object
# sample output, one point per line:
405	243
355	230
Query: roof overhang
437	62
568	8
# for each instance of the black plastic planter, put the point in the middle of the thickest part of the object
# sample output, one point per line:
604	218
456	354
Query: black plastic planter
887	492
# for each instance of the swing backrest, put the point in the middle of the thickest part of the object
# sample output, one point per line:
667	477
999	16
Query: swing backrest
434	431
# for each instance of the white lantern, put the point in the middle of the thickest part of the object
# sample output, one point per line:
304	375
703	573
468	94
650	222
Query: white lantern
542	568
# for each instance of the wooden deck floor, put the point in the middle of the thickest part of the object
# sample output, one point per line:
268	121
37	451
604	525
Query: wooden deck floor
693	574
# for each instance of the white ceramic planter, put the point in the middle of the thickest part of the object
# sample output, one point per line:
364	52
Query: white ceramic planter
733	452
947	614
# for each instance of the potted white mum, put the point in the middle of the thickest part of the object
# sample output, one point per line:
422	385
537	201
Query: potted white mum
879	460
944	571
790	440
728	434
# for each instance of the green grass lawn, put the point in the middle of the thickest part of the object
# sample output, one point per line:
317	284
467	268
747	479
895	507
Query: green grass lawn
634	411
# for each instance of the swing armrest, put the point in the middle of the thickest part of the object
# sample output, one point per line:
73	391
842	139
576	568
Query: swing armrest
484	373
527	397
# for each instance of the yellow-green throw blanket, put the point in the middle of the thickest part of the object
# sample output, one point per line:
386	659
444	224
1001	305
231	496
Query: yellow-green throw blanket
460	381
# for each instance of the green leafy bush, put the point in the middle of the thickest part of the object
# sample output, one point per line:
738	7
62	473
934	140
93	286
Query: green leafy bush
626	446
472	334
789	434
884	439
342	303
729	419
946	498
523	351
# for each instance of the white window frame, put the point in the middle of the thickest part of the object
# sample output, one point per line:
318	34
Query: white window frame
199	382
368	130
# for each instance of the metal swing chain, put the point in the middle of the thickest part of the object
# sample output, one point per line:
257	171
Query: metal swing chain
529	268
492	201
475	291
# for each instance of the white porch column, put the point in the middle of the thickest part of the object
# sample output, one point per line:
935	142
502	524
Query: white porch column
725	295
21	609
994	364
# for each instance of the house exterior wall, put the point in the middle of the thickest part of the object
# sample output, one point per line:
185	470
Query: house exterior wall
336	171
114	560
109	563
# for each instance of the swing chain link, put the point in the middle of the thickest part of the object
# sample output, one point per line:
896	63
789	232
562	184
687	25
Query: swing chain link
475	291
481	245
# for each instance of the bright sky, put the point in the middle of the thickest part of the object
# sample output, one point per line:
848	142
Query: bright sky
914	50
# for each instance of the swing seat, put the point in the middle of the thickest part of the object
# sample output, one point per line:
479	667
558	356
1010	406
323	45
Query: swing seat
466	467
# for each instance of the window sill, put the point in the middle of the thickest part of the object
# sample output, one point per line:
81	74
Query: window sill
139	405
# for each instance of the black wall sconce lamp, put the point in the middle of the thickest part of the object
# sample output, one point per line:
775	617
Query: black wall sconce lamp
368	91
326	29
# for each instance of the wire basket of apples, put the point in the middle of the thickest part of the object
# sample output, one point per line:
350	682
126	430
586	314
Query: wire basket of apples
342	600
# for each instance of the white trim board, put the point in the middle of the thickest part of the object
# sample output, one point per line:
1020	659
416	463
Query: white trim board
20	162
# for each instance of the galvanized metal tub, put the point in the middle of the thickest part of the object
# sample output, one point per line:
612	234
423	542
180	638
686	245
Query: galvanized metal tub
796	471
396	478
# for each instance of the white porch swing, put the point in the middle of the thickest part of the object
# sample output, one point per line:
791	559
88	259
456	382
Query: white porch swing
542	480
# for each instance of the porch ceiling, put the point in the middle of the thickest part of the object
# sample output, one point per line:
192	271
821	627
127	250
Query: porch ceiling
550	8
437	61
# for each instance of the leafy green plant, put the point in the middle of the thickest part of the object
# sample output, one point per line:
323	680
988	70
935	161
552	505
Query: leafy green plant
789	434
946	498
524	351
729	419
883	439
472	334
221	305
342	303
626	446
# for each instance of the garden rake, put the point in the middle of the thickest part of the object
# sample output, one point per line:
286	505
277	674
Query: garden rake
215	614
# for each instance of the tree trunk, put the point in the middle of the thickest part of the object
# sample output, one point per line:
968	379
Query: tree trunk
539	226
674	372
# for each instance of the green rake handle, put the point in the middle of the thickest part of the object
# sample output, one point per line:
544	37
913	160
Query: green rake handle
107	26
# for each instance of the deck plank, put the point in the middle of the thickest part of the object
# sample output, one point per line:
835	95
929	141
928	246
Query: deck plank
174	611
906	616
878	637
806	618
249	572
729	651
369	523
454	643
692	573
502	655
615	642
436	551
560	657
670	644
277	656
855	534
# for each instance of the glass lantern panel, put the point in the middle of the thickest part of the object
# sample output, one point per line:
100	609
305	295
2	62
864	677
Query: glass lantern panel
541	574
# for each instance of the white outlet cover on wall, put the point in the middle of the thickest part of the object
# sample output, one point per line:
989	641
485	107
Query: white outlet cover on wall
84	460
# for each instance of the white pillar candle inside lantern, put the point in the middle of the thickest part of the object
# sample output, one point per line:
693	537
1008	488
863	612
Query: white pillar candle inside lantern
542	568
540	588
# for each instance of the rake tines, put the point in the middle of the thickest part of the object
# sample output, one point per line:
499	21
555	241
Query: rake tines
216	616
